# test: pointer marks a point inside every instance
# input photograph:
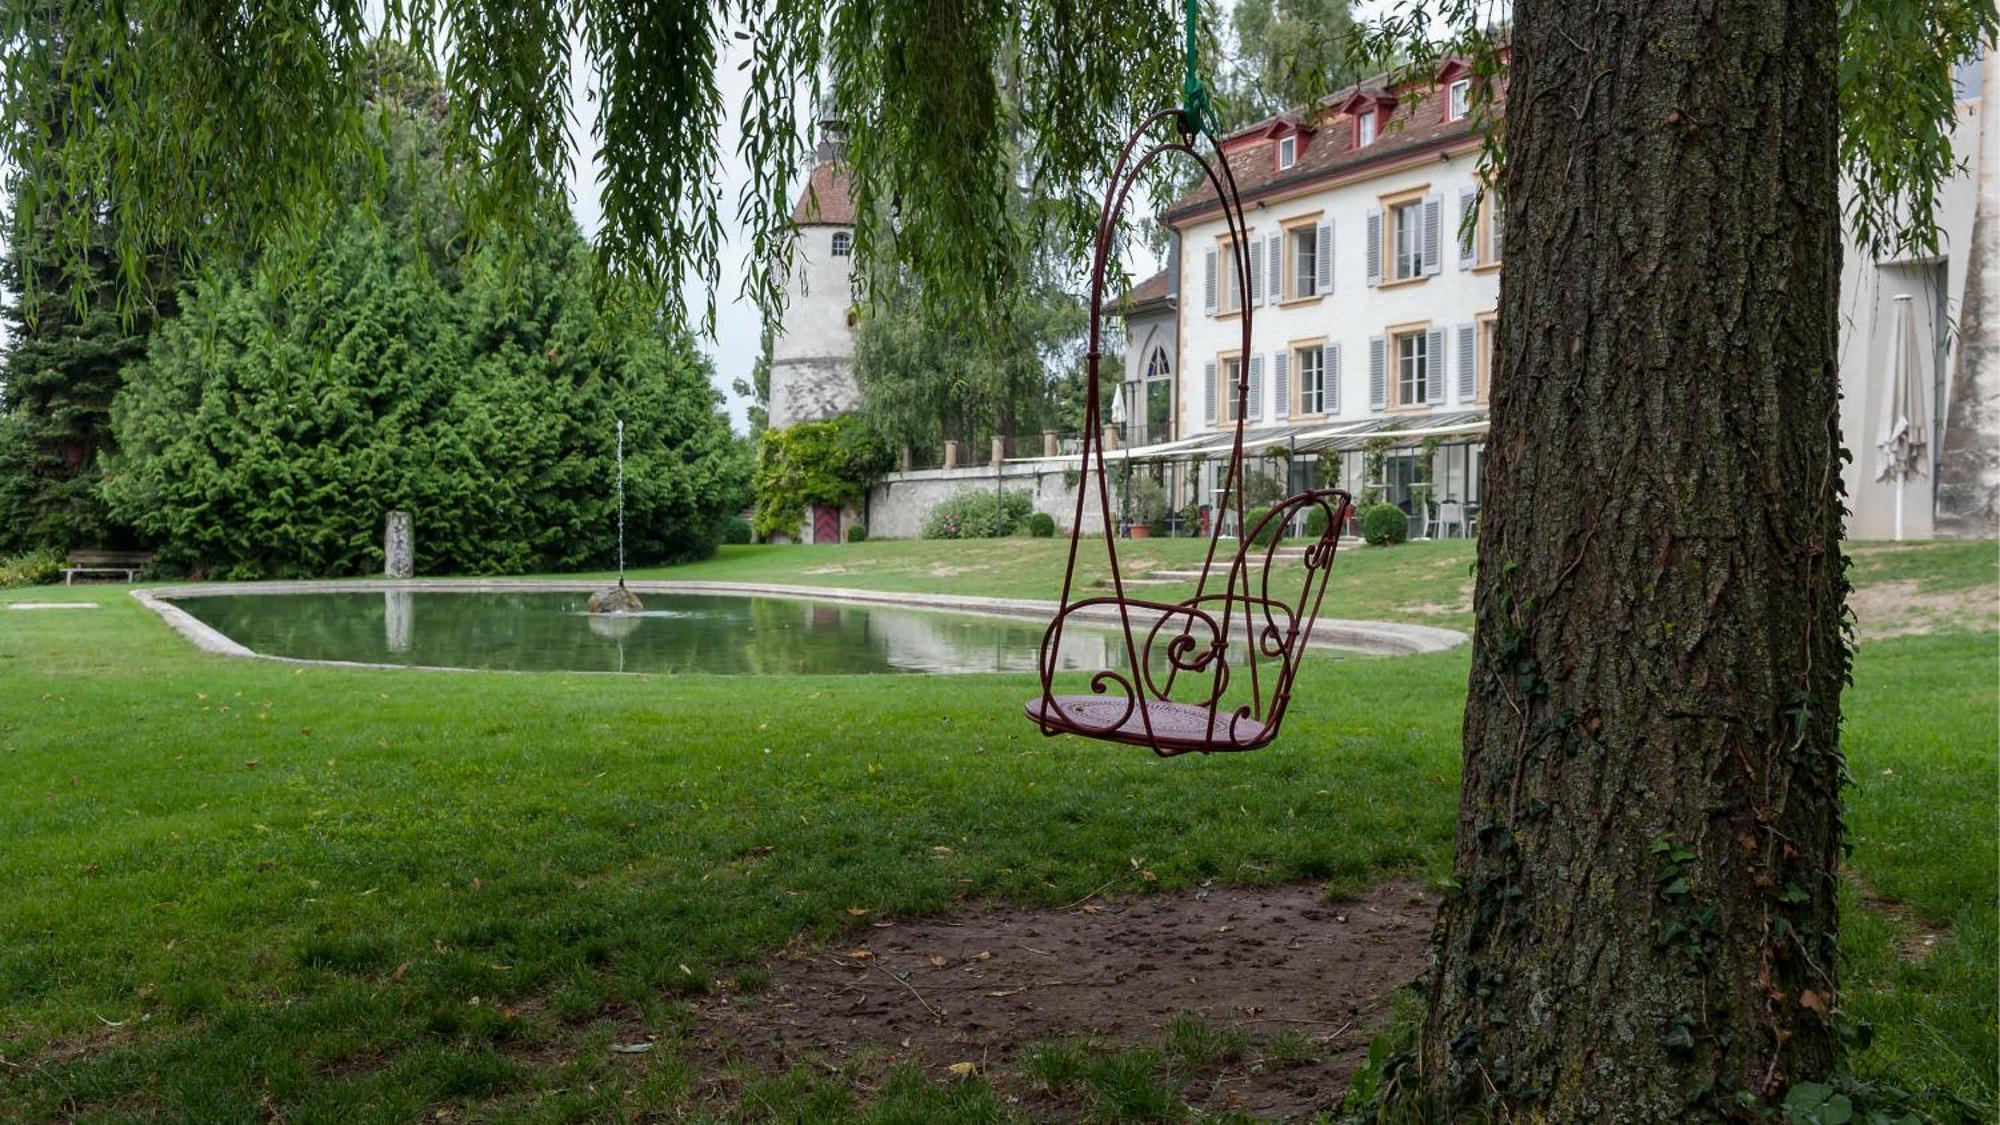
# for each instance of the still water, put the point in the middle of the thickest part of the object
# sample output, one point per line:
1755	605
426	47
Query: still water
677	633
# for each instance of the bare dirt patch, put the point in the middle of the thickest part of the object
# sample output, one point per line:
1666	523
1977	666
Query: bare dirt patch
1896	609
980	984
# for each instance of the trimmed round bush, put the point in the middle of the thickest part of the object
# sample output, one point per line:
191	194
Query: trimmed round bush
1041	525
1384	524
858	533
1315	522
1266	535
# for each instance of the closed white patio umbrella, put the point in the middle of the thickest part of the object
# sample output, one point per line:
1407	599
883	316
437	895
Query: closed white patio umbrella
1900	444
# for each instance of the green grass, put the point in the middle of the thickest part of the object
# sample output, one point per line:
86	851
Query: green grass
242	889
1428	582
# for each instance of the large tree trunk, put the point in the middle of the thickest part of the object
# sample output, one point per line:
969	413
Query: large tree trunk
1644	923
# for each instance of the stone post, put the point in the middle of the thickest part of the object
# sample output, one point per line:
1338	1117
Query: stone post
1110	438
399	550
904	459
951	455
1051	444
999	449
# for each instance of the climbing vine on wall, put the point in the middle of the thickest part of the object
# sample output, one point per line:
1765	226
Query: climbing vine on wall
830	462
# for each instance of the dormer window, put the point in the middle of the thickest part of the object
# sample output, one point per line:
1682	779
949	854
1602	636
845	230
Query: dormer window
1288	151
843	244
1458	99
1364	129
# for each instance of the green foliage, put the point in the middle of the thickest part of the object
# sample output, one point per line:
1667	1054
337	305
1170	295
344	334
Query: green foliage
1383	525
1290	53
858	533
1262	489
271	427
831	462
977	514
1145	499
1041	525
1267	533
1315	522
736	531
31	568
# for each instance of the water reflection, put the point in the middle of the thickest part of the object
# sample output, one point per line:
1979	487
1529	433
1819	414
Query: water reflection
677	633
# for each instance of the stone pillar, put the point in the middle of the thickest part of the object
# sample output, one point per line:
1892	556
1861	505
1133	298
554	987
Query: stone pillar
999	449
1051	445
951	455
398	613
399	552
904	459
1110	438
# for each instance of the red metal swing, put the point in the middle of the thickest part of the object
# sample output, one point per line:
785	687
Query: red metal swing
1183	686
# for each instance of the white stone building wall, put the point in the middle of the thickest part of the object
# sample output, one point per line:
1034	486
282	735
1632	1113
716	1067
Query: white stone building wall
812	356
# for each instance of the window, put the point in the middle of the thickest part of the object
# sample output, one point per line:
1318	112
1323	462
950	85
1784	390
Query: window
1227	373
1302	244
1406	232
1159	397
1364	129
1288	151
1459	95
1311	364
1413	368
843	243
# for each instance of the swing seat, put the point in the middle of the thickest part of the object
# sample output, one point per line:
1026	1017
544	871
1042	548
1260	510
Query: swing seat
1176	727
1214	672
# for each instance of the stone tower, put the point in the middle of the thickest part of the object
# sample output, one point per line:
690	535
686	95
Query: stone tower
812	354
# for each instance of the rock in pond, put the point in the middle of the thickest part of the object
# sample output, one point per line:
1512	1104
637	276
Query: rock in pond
615	600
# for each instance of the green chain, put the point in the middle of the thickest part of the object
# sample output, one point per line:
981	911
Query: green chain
1196	110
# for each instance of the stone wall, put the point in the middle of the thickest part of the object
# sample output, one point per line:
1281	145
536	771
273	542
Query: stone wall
897	506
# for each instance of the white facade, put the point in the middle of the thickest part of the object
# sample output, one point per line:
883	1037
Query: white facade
812	354
1444	304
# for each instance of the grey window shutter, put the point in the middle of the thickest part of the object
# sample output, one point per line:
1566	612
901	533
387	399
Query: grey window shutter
1468	226
1433	221
1274	267
1281	385
1330	380
1255	411
1209	265
1374	246
1323	259
1256	270
1434	366
1208	391
1378	372
1468	363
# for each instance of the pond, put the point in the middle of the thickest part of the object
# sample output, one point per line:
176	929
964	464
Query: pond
713	634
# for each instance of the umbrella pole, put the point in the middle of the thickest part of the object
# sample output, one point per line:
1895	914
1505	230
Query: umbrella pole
1899	507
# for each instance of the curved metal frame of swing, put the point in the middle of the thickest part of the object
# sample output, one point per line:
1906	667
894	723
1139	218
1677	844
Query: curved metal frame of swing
1158	721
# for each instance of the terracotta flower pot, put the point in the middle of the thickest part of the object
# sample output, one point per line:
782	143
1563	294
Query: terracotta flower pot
1141	531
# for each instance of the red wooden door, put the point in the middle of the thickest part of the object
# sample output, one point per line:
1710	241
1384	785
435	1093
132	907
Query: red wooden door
826	523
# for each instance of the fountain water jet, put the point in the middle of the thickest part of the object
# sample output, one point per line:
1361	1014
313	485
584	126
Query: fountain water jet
617	599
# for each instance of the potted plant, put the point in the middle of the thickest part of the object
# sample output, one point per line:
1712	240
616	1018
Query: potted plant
1145	505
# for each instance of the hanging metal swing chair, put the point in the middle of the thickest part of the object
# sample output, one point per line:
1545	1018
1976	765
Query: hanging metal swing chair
1213	672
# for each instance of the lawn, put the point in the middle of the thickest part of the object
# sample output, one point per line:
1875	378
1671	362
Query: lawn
240	890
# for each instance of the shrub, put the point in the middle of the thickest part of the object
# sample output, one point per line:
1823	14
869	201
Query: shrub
1384	524
1041	525
831	462
736	530
1262	536
1146	500
975	514
1261	489
858	533
30	568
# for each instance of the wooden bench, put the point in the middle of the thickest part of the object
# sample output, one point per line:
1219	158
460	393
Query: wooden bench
105	564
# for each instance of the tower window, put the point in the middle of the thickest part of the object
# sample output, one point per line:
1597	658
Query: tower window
843	243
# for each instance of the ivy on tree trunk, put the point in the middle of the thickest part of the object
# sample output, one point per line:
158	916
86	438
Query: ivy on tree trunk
1644	918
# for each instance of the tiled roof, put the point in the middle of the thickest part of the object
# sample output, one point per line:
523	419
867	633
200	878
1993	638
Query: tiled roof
1157	289
826	200
1414	126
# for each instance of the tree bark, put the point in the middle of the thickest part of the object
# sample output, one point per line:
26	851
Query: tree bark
1643	924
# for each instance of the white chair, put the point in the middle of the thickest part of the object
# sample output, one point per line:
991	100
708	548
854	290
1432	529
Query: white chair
1451	520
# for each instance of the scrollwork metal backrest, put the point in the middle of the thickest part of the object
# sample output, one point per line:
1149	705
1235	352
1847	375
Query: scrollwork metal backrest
1185	657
